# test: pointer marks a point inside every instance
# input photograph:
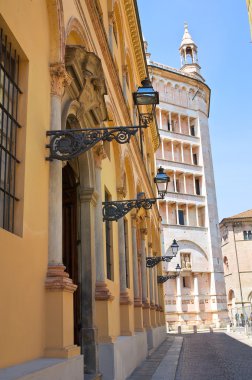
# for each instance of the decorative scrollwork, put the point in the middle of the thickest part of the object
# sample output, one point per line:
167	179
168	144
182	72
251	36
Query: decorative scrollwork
152	261
162	279
68	144
114	210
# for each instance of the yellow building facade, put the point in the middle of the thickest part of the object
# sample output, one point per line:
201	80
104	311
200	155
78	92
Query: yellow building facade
249	6
75	292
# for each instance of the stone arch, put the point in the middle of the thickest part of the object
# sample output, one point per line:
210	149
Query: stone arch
57	30
197	256
75	34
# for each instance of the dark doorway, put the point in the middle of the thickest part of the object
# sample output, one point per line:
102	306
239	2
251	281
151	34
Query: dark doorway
70	240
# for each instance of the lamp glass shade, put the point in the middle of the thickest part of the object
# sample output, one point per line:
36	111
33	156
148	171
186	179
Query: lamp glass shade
145	95
161	180
175	247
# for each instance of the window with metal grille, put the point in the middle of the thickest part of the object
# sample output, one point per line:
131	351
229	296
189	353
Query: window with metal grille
9	93
109	240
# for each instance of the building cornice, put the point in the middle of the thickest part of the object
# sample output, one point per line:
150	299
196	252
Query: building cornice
179	76
235	220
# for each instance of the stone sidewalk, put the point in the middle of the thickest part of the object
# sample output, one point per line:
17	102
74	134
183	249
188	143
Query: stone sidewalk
162	363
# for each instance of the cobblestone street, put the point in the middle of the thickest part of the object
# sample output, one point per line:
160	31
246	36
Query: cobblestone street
201	356
215	356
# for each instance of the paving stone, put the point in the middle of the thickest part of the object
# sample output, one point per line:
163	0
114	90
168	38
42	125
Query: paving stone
214	356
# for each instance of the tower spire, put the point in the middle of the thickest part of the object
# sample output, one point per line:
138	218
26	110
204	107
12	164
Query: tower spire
189	54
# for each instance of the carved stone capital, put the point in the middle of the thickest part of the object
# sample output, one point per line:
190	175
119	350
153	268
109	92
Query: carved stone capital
59	79
57	279
99	154
102	293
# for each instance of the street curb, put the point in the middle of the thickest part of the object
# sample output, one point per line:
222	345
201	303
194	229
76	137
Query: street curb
168	366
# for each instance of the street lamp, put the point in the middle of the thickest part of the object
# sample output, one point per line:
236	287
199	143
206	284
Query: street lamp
161	180
114	210
162	279
70	143
145	96
152	261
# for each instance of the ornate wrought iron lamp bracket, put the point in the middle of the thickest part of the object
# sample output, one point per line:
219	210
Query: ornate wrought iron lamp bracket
153	261
114	210
162	279
70	143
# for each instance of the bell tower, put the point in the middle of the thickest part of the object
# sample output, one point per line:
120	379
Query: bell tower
189	55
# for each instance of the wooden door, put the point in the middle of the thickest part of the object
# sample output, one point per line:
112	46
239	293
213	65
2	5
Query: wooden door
69	228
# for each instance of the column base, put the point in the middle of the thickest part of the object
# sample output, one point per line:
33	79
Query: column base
102	292
59	314
138	315
126	315
64	353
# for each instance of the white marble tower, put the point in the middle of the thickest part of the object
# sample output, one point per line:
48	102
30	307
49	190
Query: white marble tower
189	211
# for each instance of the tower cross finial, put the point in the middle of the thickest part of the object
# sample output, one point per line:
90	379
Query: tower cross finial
186	26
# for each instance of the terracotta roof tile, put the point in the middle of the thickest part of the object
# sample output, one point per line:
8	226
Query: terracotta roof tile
244	214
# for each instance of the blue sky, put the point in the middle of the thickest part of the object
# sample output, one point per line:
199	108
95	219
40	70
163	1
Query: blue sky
220	28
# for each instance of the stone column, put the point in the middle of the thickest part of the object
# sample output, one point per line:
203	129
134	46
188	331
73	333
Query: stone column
138	311
126	321
88	331
187	215
197	216
143	265
122	253
59	79
184	178
160	119
59	337
177	213
101	291
135	260
194	187
182	152
145	300
174	181
172	150
188	123
191	151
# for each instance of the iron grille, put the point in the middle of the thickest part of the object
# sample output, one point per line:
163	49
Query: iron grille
9	91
